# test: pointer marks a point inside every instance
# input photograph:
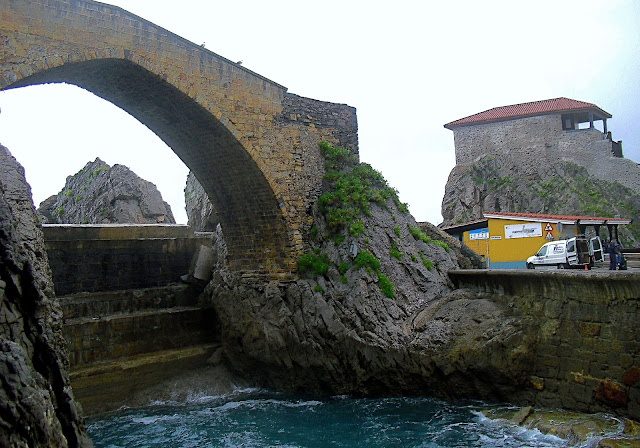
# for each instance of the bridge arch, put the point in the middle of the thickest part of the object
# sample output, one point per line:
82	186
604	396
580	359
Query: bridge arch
249	214
252	146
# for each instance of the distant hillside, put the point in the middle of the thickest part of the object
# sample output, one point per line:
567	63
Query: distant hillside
101	194
506	183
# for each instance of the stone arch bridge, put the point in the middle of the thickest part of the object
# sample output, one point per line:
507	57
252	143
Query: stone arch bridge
252	145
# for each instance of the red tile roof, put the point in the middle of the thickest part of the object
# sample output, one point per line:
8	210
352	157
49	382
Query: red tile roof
543	217
527	109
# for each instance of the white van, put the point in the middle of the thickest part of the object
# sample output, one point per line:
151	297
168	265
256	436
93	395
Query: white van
575	252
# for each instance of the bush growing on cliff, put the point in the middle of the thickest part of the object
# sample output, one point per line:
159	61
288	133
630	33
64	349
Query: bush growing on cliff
318	264
368	260
355	186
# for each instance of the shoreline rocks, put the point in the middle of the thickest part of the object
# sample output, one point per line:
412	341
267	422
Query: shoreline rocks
37	406
578	429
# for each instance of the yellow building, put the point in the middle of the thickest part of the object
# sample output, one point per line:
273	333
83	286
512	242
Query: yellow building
506	240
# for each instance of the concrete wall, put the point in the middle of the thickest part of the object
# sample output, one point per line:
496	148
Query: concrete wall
90	258
252	146
586	328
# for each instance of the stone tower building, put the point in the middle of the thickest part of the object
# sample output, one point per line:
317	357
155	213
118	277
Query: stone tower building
560	128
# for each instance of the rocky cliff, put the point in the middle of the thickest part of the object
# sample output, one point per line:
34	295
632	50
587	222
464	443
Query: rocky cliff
374	311
101	194
37	408
538	182
201	216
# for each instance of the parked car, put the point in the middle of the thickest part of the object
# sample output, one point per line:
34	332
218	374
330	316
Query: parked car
576	252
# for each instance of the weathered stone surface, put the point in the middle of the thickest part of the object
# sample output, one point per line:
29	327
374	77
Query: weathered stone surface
467	258
537	183
201	215
578	429
101	194
37	408
115	257
338	333
587	371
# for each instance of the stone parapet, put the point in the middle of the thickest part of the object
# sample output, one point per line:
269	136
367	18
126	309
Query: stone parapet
91	258
77	232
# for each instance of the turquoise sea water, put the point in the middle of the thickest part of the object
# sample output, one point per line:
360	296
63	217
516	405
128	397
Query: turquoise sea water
258	418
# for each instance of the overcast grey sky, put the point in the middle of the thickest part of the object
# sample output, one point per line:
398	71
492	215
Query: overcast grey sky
408	67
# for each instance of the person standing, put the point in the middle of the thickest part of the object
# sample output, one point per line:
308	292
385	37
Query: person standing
613	254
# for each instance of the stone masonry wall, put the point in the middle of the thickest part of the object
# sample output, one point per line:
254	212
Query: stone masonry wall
123	257
587	335
238	132
542	137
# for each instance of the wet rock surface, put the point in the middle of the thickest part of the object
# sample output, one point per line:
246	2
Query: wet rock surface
37	408
101	194
578	429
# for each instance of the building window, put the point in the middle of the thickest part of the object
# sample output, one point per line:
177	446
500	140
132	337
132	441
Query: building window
568	122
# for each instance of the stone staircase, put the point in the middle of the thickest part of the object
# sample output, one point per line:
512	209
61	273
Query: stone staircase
122	342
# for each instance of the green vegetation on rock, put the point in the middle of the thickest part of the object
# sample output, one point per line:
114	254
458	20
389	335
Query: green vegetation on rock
427	263
367	260
395	252
354	187
316	263
420	235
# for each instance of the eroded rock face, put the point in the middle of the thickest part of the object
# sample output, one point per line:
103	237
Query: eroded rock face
536	184
340	333
201	216
37	408
101	194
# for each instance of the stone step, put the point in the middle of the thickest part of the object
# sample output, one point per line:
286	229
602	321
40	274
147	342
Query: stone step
106	386
106	303
98	339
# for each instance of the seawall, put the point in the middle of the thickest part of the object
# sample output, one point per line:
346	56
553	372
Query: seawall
110	257
586	327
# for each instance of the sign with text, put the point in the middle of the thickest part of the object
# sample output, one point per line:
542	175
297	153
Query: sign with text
479	234
523	230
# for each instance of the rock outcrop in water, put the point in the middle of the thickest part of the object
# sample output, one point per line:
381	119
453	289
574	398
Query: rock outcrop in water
37	408
101	194
374	311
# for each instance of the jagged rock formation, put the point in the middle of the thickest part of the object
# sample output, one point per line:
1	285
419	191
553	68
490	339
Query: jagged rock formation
37	408
100	194
201	216
540	182
384	321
